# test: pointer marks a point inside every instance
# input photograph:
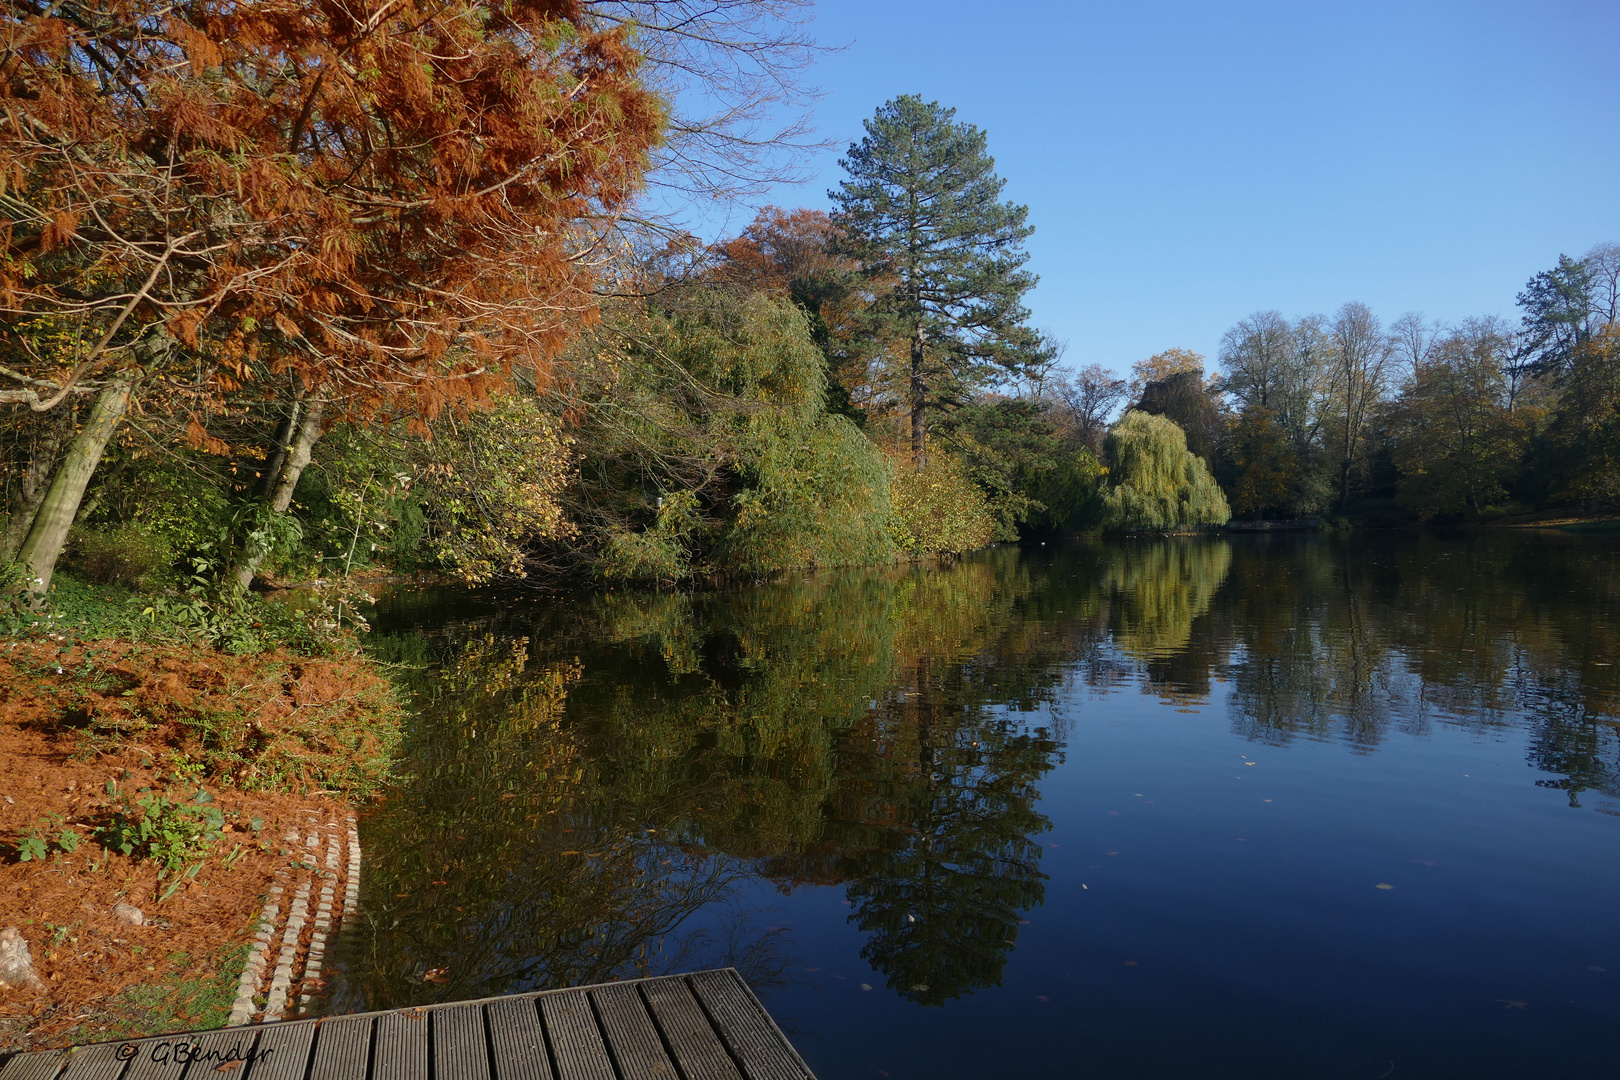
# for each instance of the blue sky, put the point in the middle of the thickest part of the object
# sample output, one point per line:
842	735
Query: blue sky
1188	163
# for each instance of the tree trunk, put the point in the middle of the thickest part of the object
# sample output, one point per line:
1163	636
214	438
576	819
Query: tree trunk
35	481
284	438
309	430
919	399
49	530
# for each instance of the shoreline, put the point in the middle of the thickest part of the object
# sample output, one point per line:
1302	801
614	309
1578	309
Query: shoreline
234	761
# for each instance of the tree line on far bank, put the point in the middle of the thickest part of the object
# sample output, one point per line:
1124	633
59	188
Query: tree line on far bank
1414	422
335	330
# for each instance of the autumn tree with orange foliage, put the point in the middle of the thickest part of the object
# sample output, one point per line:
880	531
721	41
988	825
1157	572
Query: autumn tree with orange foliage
1162	365
795	254
391	207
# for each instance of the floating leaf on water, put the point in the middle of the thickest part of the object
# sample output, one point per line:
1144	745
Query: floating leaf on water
1042	997
866	986
1383	885
1130	963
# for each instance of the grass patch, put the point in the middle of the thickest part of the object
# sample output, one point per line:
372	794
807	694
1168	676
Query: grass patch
189	997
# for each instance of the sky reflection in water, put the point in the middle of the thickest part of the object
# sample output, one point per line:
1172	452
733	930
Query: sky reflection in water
1260	807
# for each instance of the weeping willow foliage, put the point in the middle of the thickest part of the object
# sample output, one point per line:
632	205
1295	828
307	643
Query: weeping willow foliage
707	447
1158	587
1154	481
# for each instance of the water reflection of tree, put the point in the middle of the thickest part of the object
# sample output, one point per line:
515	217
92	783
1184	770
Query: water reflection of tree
1352	638
1159	590
934	818
592	781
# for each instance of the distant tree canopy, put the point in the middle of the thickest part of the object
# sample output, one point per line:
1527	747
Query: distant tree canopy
1154	481
1182	397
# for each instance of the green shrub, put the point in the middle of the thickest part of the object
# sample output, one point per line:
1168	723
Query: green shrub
818	499
170	833
130	556
938	509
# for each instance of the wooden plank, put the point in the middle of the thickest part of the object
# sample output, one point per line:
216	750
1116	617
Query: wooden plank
752	1036
99	1062
519	1040
574	1038
402	1045
283	1049
342	1049
631	1034
38	1065
161	1059
459	1050
706	1026
697	1048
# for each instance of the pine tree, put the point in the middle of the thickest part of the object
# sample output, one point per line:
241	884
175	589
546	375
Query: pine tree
941	253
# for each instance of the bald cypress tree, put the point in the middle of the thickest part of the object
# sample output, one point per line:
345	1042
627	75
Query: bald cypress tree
942	254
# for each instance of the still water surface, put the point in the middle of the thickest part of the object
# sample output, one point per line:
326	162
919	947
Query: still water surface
1252	807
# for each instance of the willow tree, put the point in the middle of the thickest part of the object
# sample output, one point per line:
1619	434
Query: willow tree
1154	481
941	254
383	204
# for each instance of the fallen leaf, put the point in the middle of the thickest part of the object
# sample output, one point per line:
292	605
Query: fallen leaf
866	986
228	1066
437	975
1383	885
1130	963
1042	997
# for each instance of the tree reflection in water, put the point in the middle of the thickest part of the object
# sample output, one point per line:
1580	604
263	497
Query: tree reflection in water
595	781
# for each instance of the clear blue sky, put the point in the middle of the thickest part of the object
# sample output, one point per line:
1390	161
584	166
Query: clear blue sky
1188	163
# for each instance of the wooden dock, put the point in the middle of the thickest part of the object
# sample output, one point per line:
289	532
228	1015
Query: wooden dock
704	1026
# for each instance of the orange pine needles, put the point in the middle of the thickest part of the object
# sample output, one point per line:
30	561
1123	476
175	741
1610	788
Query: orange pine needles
398	201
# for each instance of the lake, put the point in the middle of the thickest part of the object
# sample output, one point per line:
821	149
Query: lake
1262	806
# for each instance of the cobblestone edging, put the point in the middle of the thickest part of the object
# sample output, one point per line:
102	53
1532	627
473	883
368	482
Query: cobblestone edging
303	936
